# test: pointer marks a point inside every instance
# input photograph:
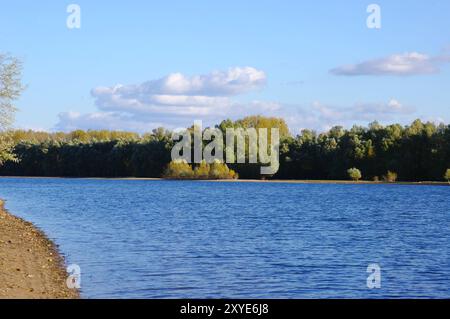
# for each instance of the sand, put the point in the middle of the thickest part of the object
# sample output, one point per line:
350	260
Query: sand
30	265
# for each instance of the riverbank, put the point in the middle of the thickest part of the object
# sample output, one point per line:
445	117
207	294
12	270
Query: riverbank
286	181
30	265
295	181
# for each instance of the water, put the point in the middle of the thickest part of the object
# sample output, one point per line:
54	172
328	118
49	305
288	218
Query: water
168	239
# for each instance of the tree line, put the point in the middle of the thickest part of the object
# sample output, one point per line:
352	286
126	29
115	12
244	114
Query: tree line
416	152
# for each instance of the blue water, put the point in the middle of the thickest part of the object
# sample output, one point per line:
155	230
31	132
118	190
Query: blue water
168	239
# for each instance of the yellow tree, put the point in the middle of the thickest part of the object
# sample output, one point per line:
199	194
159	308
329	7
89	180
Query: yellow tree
10	89
202	171
447	175
354	174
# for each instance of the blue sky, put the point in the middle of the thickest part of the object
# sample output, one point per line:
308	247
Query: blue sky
135	65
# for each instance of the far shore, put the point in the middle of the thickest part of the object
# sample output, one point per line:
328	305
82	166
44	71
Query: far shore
282	181
31	266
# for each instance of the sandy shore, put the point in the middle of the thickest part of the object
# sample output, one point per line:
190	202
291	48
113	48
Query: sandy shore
30	266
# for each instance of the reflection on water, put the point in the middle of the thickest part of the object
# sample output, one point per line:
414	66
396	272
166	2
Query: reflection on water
168	239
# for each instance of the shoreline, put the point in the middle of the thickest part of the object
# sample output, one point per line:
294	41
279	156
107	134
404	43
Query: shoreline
281	181
297	181
30	265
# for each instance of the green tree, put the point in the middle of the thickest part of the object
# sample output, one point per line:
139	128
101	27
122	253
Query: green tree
10	89
418	152
259	121
354	174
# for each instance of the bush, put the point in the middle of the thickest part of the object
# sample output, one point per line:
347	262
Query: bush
447	175
219	170
390	177
202	171
354	174
180	169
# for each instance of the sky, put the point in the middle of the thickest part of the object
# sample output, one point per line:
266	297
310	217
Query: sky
137	65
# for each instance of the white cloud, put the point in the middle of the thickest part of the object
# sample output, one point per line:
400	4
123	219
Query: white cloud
177	94
176	101
172	100
176	105
70	121
317	116
234	81
405	64
375	111
322	117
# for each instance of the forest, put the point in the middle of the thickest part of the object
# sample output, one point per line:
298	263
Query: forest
416	152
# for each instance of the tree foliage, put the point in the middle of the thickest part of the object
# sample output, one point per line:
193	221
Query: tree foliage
354	174
416	152
390	177
447	175
180	169
10	89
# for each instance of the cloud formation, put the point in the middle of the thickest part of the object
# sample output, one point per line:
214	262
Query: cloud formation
406	64
70	121
179	95
140	122
363	111
173	100
322	117
177	100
